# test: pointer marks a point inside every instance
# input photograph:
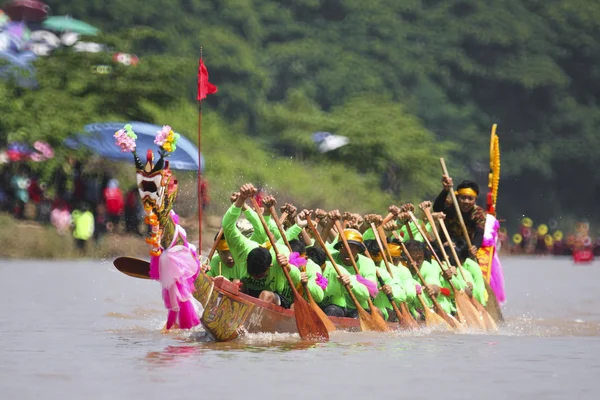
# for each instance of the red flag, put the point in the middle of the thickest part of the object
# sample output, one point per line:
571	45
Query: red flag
204	86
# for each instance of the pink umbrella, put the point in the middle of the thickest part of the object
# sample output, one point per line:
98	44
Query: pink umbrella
26	10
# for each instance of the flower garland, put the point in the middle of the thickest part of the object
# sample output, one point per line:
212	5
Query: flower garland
155	234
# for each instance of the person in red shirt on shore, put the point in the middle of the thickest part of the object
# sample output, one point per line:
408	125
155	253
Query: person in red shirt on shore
115	204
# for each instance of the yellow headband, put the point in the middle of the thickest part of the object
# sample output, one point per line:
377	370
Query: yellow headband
222	246
466	192
394	249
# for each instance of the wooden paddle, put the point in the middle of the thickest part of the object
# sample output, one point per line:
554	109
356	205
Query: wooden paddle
456	206
457	323
313	304
309	324
439	318
374	311
489	322
492	296
366	322
405	318
214	246
133	267
465	309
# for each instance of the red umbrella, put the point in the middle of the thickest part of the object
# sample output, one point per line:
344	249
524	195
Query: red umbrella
26	10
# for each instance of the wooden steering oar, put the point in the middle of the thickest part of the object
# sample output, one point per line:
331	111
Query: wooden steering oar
405	319
374	311
464	307
489	322
366	322
309	324
313	304
439	318
133	267
138	268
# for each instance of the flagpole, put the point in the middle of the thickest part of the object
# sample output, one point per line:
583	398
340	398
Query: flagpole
200	165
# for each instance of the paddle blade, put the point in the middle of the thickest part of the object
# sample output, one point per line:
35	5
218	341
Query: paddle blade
133	267
492	305
309	324
324	318
412	323
488	321
467	311
372	322
366	322
434	321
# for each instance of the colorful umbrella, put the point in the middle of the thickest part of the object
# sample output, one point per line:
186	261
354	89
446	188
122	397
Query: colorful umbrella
100	139
26	10
68	24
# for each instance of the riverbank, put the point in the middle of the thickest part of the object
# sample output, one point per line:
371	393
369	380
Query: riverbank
31	240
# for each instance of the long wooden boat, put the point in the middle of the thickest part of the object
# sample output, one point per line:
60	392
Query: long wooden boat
229	313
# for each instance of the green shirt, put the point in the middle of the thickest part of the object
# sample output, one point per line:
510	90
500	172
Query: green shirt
240	246
335	293
398	294
232	273
366	267
478	282
84	224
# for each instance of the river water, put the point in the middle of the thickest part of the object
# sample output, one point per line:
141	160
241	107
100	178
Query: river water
83	330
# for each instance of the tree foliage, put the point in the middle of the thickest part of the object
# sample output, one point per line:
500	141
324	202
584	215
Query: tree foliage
401	79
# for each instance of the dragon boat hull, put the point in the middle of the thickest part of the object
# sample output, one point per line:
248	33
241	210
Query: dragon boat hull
229	313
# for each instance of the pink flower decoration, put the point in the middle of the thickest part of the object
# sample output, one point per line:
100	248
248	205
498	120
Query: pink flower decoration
321	281
161	136
418	288
297	260
124	141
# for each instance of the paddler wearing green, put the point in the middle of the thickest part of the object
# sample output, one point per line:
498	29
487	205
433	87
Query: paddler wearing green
365	265
224	262
479	292
260	236
334	295
451	272
264	277
398	292
431	274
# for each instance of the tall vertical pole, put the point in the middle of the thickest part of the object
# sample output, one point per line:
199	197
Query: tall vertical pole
200	161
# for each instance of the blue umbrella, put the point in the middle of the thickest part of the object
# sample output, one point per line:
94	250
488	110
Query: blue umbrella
100	140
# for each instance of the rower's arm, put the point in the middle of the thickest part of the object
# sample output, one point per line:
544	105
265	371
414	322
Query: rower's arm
398	293
440	202
315	290
293	232
258	235
239	244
